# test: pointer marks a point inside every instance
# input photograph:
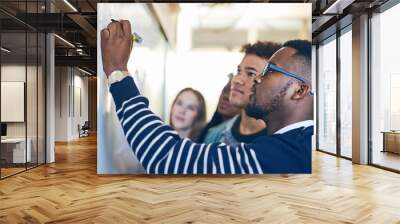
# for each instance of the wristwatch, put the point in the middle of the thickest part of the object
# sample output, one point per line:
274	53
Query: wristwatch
117	76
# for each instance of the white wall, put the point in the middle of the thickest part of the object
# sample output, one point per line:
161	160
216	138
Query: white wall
70	84
61	103
79	117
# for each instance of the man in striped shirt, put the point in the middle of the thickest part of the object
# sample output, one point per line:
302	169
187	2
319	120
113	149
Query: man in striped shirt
281	97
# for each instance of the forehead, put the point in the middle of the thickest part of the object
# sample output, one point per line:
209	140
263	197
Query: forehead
188	97
252	60
283	56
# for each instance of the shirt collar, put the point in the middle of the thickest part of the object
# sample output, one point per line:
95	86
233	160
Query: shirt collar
304	124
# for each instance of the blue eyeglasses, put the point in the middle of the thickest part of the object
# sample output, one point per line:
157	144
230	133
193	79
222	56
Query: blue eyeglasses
271	67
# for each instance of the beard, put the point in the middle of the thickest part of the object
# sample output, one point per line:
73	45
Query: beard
259	111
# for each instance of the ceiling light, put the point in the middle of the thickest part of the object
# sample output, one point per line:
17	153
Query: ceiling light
65	41
70	5
5	50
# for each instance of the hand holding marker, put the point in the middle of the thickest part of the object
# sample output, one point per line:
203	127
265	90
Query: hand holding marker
135	37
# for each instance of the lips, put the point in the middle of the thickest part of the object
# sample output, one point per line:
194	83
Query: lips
236	90
224	104
179	118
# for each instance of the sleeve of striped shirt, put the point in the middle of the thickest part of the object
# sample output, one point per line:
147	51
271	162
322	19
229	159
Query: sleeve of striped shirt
160	149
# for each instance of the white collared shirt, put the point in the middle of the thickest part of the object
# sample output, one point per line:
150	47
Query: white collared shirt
304	124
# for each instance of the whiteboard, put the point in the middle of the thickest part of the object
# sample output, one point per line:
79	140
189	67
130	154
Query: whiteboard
12	101
114	155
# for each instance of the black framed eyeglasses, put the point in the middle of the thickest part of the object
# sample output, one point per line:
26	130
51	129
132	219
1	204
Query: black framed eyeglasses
271	67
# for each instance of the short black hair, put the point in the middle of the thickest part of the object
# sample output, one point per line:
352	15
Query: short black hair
263	49
303	47
303	56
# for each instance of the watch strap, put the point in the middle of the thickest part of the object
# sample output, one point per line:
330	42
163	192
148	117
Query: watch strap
117	76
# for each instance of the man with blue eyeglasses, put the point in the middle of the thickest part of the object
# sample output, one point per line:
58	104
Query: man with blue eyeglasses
281	97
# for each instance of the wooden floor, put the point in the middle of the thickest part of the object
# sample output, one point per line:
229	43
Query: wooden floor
5	172
70	191
10	171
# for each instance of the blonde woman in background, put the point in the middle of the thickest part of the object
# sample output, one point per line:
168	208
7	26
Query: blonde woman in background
188	113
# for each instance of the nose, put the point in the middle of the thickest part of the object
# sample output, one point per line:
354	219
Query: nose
237	79
180	111
257	80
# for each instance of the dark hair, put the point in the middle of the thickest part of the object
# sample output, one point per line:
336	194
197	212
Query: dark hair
303	56
263	49
303	47
200	119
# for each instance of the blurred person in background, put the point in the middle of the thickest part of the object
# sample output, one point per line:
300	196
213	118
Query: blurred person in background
225	111
188	114
243	128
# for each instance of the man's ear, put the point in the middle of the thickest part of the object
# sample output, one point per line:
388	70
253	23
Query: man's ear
301	91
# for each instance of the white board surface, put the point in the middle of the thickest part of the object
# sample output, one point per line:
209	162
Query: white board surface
12	101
